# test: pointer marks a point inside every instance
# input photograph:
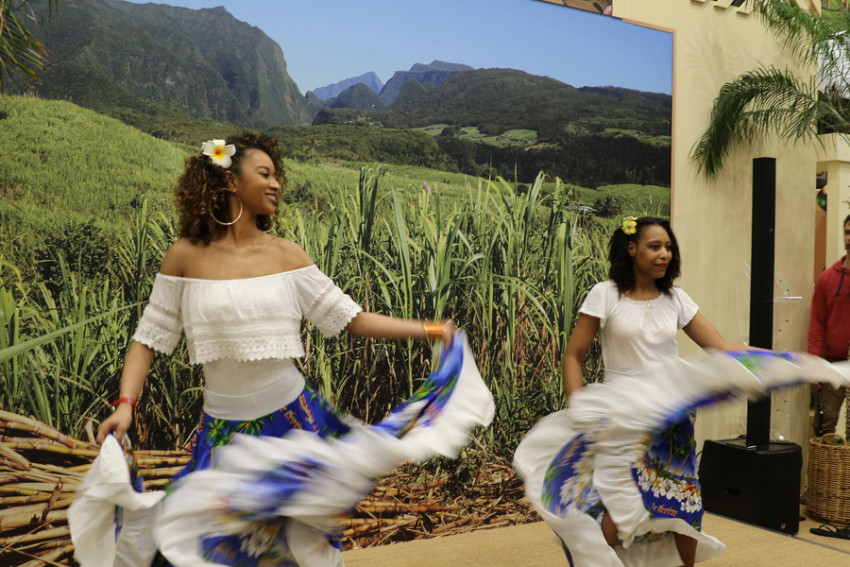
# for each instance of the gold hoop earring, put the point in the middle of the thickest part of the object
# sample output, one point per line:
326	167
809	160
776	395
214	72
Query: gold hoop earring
239	216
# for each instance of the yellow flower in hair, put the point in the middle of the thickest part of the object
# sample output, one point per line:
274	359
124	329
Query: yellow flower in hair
218	152
629	225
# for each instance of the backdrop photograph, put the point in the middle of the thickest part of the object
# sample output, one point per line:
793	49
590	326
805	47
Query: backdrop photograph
465	160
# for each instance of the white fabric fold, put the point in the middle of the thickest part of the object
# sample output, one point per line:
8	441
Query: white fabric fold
328	476
470	405
92	515
331	475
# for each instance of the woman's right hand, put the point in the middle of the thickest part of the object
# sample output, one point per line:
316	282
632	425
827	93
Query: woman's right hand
440	330
117	423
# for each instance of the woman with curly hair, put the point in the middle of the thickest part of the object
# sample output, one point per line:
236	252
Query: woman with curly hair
610	513
240	293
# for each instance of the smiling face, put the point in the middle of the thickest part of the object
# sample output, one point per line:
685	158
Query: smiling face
256	184
651	252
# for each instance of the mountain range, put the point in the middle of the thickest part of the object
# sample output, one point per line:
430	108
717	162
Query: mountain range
178	73
351	93
108	54
329	92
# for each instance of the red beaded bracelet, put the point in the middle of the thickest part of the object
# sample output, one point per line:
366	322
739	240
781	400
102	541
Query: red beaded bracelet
120	401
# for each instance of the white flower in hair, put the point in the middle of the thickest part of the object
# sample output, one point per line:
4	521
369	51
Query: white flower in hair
218	152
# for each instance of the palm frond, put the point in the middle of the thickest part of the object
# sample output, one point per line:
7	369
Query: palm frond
768	101
22	54
758	103
803	35
810	39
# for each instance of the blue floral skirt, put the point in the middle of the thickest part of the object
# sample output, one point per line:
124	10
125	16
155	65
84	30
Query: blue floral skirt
626	449
665	478
309	412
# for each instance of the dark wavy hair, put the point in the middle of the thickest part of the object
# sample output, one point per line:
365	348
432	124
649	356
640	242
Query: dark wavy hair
622	269
200	191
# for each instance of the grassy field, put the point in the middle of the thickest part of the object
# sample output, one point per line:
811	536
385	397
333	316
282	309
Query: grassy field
517	137
85	217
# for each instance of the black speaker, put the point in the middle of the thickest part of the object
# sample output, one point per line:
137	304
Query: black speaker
758	485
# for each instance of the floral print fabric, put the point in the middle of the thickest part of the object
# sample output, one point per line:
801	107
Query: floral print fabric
667	476
310	412
627	448
261	543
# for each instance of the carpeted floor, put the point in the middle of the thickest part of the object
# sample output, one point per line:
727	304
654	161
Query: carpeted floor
532	545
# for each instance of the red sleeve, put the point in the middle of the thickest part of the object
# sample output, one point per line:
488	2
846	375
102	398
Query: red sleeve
817	322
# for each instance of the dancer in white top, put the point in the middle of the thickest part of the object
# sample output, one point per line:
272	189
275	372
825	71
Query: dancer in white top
240	294
636	313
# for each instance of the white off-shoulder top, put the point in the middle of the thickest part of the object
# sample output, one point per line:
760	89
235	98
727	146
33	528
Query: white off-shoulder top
243	319
245	332
637	334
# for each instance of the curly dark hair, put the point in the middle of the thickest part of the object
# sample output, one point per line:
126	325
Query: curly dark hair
622	269
200	190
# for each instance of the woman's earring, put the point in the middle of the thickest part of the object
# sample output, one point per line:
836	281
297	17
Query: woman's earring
239	216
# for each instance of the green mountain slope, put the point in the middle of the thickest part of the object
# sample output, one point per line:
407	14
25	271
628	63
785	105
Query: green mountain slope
64	165
108	54
497	100
358	97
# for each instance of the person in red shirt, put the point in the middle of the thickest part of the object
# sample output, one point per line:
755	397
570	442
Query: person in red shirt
829	330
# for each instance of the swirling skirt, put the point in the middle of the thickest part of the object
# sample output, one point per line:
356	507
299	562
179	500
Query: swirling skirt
259	541
271	491
627	449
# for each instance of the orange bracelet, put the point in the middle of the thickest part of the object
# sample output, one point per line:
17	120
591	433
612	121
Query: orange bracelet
434	329
120	401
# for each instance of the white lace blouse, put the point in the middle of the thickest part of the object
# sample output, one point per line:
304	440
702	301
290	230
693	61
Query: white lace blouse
245	332
635	334
243	319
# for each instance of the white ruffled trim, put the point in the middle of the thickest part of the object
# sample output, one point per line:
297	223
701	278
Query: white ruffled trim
243	319
255	344
331	310
161	326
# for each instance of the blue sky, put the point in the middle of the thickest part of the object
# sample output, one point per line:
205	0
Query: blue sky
326	41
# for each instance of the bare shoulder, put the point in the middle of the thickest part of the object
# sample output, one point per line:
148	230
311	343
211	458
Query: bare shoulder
292	256
177	258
